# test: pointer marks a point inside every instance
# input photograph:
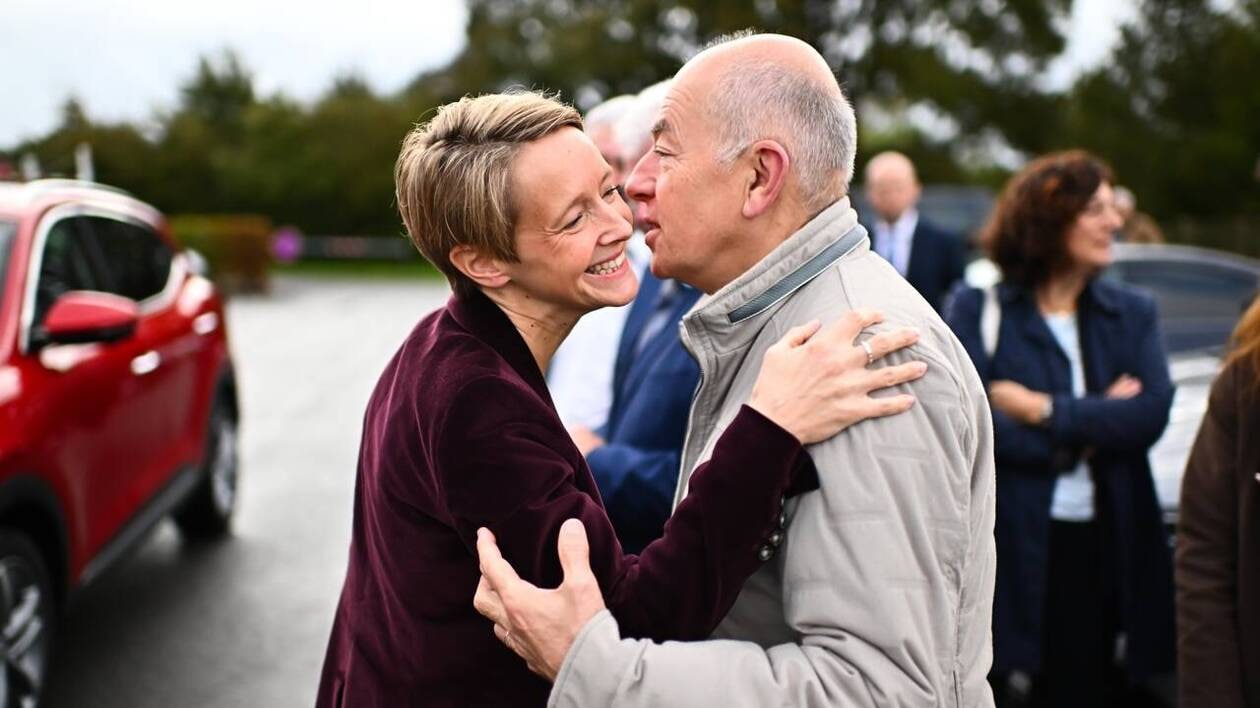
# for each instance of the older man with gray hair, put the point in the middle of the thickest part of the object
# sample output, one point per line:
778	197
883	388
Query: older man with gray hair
877	589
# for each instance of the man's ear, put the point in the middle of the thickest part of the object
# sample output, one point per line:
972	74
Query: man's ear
484	270
770	163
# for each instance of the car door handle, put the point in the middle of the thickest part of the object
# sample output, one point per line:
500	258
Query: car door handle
146	363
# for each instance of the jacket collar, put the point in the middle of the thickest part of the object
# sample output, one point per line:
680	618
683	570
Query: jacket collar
483	319
1102	294
1098	294
752	297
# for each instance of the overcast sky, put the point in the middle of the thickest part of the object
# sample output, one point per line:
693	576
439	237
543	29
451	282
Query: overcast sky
124	59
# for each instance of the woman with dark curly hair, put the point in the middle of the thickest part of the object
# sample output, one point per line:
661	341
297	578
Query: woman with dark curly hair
1218	539
1079	387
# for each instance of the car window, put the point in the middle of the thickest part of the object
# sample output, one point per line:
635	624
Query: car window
138	260
1199	303
7	230
69	262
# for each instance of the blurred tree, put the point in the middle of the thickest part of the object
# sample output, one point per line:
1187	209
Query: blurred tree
219	94
1177	111
973	63
328	169
950	82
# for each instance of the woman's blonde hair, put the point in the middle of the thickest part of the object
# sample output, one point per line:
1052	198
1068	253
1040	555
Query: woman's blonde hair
453	178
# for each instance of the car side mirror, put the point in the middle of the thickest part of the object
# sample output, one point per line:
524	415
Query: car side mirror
81	317
197	262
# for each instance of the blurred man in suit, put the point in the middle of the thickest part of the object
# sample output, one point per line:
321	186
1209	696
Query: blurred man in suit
930	258
635	456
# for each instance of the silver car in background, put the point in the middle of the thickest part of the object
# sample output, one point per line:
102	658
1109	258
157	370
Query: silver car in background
1200	294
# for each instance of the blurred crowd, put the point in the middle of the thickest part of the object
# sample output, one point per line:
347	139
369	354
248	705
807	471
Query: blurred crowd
1088	609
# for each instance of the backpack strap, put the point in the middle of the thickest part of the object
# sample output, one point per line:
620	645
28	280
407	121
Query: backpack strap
990	320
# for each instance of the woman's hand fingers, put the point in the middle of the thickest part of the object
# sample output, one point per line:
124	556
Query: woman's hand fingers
1124	387
844	330
889	376
816	387
885	343
798	335
885	406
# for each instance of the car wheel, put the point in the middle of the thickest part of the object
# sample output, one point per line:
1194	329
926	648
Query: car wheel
208	511
27	616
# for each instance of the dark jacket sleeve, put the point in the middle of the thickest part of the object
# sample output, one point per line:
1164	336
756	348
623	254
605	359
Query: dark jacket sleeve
1015	445
956	263
504	467
1209	667
636	484
1132	424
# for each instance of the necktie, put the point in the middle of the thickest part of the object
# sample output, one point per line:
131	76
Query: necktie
886	246
660	315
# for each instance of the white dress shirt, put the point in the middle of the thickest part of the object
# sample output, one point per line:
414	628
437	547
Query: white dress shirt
893	241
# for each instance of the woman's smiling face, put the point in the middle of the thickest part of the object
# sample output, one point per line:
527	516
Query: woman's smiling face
572	226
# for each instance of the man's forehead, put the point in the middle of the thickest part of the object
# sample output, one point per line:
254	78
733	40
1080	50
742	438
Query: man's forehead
673	111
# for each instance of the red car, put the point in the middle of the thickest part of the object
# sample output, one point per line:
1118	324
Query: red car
117	402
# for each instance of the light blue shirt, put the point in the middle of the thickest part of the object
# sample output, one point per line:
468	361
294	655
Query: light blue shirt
1074	491
893	241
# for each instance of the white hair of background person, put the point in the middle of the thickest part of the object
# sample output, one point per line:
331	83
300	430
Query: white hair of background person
608	112
1125	200
634	129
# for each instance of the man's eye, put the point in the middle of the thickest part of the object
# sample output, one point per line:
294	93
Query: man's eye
577	220
615	189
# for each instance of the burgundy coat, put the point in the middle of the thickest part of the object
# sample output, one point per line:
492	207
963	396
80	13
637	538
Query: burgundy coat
460	432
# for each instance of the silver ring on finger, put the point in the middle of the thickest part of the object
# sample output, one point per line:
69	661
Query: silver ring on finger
870	355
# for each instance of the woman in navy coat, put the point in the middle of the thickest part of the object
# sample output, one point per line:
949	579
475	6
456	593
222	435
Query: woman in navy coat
1079	386
508	197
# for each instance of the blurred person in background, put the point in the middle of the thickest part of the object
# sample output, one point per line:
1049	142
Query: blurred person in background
635	456
1218	539
929	257
513	203
581	373
1080	391
601	124
1136	227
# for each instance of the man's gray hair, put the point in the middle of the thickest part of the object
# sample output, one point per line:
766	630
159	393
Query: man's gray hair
757	100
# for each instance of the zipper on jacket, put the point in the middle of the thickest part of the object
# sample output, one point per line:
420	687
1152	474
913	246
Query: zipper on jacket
680	491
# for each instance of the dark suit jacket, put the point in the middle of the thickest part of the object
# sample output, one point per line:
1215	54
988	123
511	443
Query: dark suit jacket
937	261
1119	334
637	467
460	432
1218	550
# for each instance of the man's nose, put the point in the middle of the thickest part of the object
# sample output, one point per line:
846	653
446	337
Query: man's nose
641	184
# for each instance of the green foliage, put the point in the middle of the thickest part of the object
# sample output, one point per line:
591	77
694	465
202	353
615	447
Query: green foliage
1176	110
974	62
235	245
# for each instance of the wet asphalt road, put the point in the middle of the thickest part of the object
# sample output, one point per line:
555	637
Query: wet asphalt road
244	622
